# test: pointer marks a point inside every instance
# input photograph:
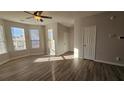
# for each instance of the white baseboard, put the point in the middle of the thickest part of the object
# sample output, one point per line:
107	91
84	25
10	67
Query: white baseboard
100	61
18	57
3	62
111	63
33	54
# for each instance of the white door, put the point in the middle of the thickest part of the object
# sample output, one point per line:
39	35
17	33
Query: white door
89	42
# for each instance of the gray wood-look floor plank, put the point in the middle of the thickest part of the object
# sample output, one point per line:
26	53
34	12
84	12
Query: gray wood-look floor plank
60	68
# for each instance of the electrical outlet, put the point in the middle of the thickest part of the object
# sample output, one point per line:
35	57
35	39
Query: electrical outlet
117	58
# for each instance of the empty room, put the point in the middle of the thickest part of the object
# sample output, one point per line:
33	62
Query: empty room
61	46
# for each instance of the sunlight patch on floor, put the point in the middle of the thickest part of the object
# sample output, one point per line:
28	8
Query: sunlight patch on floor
46	59
69	57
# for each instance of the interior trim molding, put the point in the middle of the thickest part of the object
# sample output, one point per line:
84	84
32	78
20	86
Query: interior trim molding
33	54
111	63
3	62
14	58
100	61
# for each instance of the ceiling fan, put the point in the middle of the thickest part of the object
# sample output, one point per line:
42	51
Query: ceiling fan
37	15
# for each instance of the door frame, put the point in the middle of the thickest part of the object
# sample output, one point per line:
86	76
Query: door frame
95	34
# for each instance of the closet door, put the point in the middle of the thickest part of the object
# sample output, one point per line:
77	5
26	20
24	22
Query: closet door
89	42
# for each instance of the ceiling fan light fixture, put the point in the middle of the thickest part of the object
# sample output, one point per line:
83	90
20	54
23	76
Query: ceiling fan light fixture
37	17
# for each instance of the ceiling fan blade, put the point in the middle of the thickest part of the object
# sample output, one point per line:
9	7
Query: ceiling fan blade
29	17
35	13
41	20
40	12
46	17
28	12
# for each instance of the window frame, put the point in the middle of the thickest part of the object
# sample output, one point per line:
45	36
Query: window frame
4	40
34	40
25	46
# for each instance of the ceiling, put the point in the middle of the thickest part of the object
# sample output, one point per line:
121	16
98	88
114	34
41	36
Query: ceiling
63	17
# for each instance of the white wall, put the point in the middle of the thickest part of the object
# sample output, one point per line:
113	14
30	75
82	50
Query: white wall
78	39
63	39
29	51
58	30
107	49
71	38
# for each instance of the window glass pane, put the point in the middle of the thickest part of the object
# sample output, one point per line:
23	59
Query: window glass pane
2	48
35	44
50	34
51	42
2	41
1	34
18	37
34	36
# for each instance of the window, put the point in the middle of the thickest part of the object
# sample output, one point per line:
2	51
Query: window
51	42
18	37
2	41
34	36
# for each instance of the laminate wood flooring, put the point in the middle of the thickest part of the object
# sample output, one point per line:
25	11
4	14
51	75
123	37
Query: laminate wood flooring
59	68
